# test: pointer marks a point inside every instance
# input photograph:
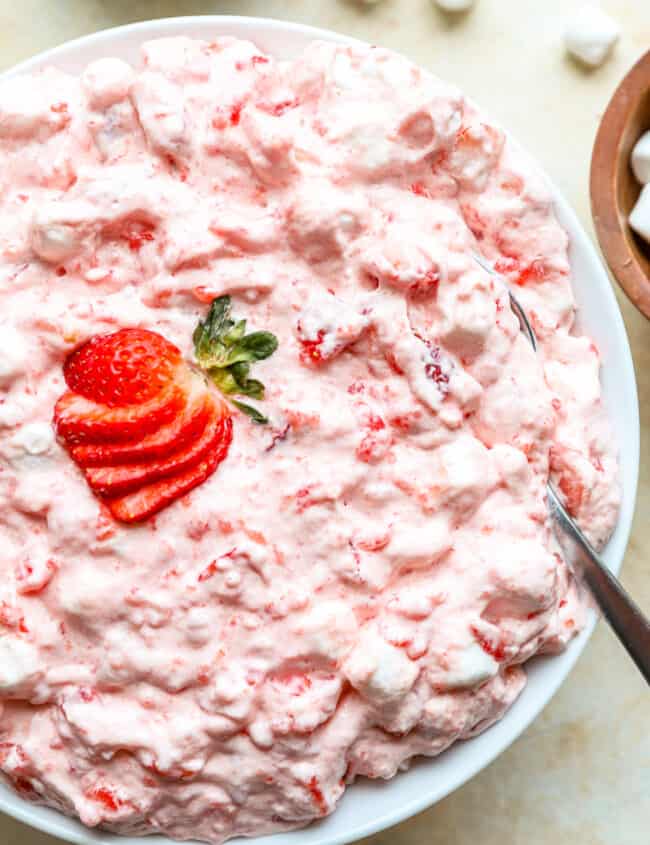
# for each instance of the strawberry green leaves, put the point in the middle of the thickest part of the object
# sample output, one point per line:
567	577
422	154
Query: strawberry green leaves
226	353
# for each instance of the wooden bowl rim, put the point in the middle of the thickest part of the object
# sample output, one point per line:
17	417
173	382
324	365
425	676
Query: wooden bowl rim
614	234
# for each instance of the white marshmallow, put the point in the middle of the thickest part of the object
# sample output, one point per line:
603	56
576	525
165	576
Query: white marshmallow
19	665
641	159
327	630
469	668
13	354
198	625
34	438
57	229
454	5
107	81
639	218
590	35
378	670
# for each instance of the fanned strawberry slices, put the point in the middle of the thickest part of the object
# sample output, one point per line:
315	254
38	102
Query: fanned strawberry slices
144	426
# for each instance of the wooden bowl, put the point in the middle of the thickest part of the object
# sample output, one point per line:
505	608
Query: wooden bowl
614	190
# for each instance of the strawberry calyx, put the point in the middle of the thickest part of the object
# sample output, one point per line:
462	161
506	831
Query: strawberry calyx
225	352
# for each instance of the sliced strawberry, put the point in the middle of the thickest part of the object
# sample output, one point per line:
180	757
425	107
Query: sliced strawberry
170	437
127	367
118	480
80	420
138	506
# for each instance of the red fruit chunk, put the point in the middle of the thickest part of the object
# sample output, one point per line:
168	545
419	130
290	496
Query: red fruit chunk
127	367
496	650
573	490
311	352
176	434
80	420
317	794
535	271
106	797
138	506
115	481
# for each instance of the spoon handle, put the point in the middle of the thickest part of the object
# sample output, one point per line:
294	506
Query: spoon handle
626	619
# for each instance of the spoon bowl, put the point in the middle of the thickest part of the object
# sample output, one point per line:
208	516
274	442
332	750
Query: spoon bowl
614	188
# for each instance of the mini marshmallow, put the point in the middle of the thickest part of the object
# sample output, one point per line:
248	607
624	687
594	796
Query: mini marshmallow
20	666
379	671
590	35
107	81
35	438
641	159
14	355
470	667
639	219
327	630
454	5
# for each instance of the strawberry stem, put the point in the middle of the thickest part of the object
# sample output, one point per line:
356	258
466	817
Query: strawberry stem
226	353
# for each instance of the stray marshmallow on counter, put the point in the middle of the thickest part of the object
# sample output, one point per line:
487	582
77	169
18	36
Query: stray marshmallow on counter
591	35
454	5
641	159
639	219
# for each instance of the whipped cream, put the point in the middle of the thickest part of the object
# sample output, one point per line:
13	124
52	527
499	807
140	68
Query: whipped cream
362	579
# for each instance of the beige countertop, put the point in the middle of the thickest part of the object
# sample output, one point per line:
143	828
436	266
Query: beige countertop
581	773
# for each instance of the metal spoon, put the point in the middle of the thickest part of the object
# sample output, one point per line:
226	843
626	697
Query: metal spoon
626	619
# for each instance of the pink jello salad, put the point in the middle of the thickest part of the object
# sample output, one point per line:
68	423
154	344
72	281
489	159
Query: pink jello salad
362	577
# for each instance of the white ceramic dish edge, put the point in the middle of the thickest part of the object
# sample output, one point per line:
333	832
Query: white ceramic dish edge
427	781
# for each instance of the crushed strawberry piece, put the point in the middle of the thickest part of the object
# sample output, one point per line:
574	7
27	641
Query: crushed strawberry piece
304	499
536	271
373	544
375	422
427	285
356	387
213	567
419	190
24	787
375	444
136	238
311	350
106	797
434	372
12	618
259	60
278	436
496	650
235	114
573	490
87	694
403	422
278	109
317	795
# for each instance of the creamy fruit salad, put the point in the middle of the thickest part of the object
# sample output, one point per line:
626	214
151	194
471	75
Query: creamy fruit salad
273	448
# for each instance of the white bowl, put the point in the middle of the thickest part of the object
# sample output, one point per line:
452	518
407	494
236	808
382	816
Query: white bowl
371	806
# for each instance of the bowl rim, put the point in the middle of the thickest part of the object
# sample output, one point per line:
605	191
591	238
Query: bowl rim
523	712
614	234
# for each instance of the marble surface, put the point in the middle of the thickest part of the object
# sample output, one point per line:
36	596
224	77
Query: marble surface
581	773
